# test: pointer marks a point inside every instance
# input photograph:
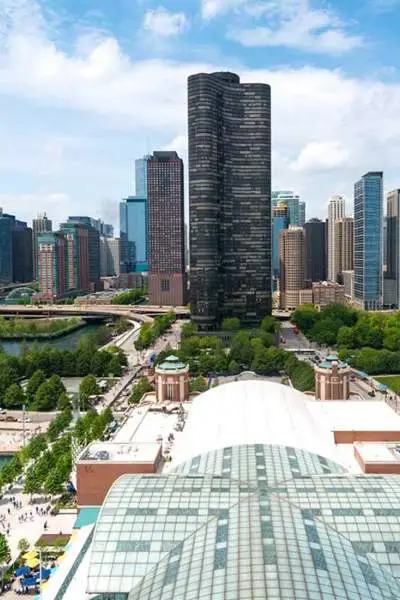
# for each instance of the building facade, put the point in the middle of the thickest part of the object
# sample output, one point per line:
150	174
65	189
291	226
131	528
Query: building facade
293	203
302	214
336	210
52	272
229	199
292	266
110	256
348	284
368	218
134	227
327	292
392	250
22	253
344	246
39	225
167	278
77	256
314	231
280	221
332	379
7	226
141	176
93	249
172	380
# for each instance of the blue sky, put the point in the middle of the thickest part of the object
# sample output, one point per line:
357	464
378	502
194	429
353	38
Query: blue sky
87	86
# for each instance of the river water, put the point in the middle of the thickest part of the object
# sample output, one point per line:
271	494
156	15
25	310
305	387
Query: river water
65	342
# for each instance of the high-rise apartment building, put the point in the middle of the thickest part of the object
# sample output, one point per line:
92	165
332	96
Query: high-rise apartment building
110	256
229	199
293	203
141	176
134	226
302	214
7	226
336	210
167	280
22	253
344	246
77	256
39	225
52	272
315	234
368	216
391	280
292	266
280	221
93	249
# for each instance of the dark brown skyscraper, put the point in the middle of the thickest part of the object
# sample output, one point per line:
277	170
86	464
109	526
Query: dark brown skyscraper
167	285
316	243
229	199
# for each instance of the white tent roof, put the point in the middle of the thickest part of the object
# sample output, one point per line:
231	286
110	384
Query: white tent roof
253	412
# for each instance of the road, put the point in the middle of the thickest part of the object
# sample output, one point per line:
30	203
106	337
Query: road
293	341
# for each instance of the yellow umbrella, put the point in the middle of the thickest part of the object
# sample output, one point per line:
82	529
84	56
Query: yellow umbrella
32	563
61	558
29	555
44	585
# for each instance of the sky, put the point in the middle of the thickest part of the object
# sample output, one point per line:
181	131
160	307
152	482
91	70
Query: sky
87	86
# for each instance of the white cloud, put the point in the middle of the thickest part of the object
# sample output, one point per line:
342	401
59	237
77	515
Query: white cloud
320	118
212	8
289	23
164	23
321	156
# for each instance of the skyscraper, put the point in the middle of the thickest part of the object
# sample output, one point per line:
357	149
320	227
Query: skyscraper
133	221
368	215
167	281
141	176
344	246
336	210
229	199
22	253
293	203
314	231
52	271
280	220
93	248
77	256
110	256
302	213
292	266
39	225
7	226
392	276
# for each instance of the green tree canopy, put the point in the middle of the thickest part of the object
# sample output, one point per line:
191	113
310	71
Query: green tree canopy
142	387
34	383
88	387
14	397
5	554
230	324
44	398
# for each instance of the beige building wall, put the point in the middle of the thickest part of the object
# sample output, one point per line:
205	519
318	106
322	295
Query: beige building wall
344	245
292	266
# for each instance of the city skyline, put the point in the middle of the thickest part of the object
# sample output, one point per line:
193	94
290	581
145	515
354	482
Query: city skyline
101	102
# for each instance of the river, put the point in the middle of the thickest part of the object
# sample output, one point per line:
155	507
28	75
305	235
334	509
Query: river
64	342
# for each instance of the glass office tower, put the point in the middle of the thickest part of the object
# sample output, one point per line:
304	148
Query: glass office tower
133	234
368	220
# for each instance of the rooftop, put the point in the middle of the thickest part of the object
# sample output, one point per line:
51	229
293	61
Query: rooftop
388	453
355	415
171	363
114	452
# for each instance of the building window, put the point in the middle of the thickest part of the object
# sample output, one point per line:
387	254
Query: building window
169	391
165	285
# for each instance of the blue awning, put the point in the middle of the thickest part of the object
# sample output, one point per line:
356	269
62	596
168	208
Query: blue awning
22	571
29	581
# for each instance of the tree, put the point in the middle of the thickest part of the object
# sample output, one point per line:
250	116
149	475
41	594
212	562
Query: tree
231	324
114	366
188	330
56	385
142	387
54	483
305	317
5	554
270	324
44	398
88	387
198	384
345	337
32	483
23	545
34	383
36	446
64	402
233	367
14	397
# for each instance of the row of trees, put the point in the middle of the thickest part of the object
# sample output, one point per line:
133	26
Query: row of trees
133	296
149	332
36	327
369	341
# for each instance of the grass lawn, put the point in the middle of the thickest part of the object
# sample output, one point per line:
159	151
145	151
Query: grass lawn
392	381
